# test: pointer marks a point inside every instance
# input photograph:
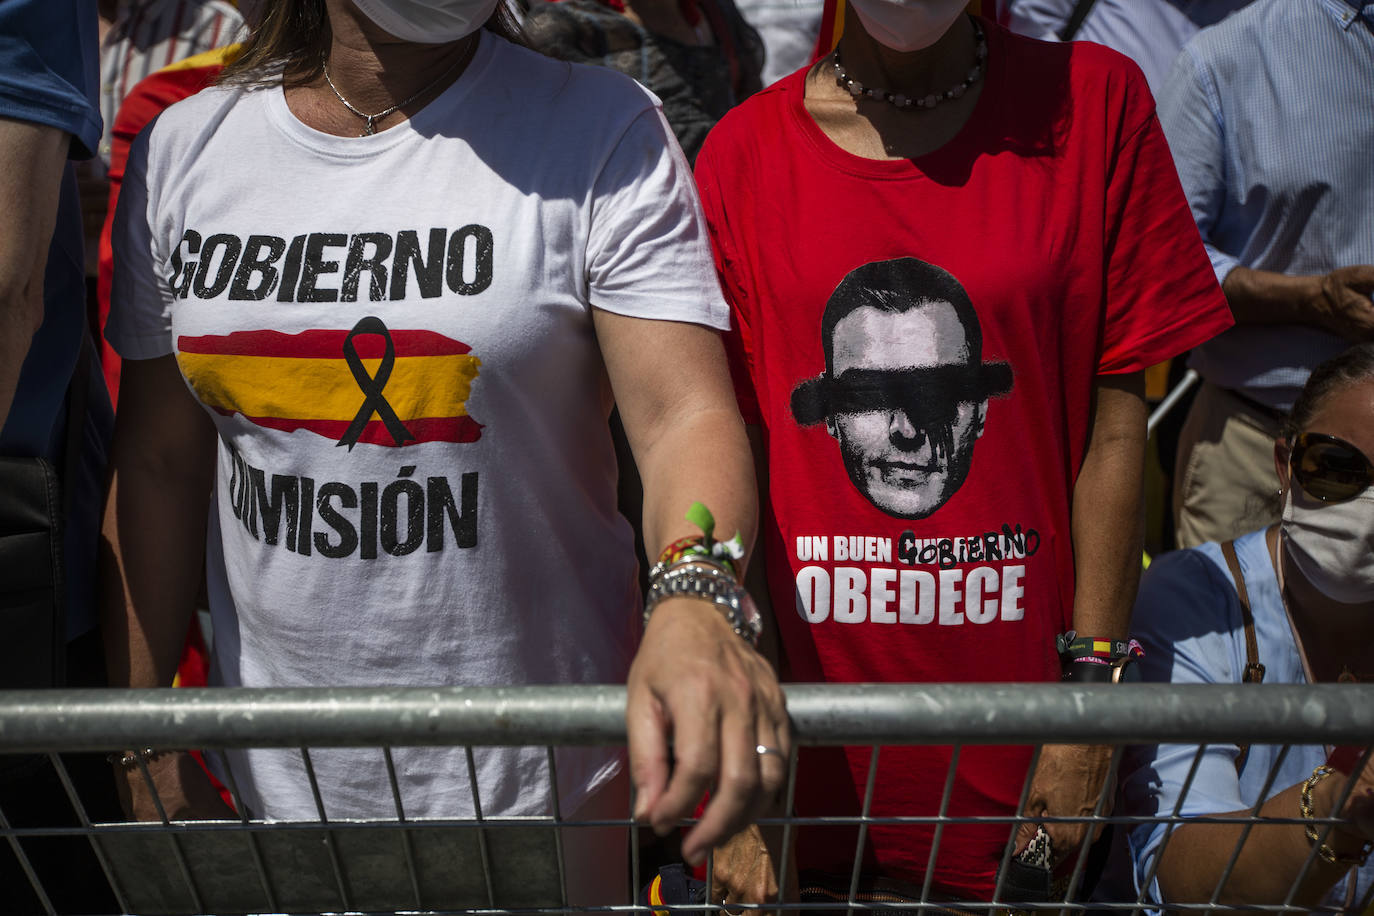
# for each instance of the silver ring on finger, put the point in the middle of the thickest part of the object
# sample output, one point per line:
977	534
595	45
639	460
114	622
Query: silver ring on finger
764	750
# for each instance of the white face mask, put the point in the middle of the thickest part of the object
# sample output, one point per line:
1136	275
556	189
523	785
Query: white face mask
1332	544
430	22
907	25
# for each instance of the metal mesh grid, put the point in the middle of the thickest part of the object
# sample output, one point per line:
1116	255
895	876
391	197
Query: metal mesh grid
518	865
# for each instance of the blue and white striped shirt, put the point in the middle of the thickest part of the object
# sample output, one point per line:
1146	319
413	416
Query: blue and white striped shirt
1270	116
1150	32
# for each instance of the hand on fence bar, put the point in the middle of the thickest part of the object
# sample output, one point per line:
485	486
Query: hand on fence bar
1068	782
1359	808
696	683
183	789
746	868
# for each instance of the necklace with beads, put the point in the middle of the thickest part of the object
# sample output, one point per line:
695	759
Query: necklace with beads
906	103
369	128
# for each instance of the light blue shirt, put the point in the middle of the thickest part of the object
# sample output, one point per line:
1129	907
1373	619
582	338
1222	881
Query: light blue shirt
1150	32
1188	618
1270	116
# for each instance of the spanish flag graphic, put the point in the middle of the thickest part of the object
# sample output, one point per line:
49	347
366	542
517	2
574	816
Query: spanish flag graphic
369	384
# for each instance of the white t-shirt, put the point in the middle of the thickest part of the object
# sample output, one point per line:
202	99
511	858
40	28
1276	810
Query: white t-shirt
393	334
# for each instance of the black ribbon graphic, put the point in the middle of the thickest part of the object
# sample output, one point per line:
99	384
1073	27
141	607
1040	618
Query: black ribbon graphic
372	385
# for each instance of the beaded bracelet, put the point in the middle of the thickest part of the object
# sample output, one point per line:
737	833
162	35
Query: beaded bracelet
1324	852
691	545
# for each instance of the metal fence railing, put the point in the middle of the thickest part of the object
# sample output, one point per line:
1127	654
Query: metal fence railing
494	864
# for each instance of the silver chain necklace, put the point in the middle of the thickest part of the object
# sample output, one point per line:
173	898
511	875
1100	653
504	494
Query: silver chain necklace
370	128
857	89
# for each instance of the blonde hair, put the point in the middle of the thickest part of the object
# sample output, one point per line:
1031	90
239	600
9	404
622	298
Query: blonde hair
292	38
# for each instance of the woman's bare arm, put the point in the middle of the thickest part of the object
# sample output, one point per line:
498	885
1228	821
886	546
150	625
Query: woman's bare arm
693	677
152	559
1196	854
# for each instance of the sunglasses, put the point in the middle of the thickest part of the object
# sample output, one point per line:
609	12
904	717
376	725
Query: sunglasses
1330	469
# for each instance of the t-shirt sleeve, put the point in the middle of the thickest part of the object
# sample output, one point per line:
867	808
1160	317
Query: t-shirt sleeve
1162	296
1036	18
1190	113
1183	615
49	68
648	255
140	325
739	349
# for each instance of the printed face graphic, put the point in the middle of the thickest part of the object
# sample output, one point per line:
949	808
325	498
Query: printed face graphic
911	449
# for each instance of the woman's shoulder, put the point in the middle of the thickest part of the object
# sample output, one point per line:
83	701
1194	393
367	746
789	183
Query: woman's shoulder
574	89
1197	569
1087	59
1188	611
213	98
1093	77
183	126
1185	592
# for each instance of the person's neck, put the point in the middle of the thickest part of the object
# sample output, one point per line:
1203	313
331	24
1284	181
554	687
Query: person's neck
1332	636
915	74
374	70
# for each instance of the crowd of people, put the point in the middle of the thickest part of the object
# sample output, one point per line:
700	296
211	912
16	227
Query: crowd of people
423	316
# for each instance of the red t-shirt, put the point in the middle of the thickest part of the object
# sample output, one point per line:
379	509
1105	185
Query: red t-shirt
917	520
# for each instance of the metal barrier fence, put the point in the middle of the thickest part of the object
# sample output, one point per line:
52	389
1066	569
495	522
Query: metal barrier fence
517	864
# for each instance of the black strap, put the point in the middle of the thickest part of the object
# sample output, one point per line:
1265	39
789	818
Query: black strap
74	447
1081	9
1254	671
78	398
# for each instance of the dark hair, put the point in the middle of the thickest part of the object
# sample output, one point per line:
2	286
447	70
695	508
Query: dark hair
292	39
898	285
1339	372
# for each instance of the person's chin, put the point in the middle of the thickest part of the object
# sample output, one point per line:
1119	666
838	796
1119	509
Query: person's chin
904	491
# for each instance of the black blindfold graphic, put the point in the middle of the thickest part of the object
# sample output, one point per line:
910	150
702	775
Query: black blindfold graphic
929	397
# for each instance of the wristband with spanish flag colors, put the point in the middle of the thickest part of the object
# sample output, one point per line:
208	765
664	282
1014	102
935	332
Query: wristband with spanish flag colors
673	885
693	545
1088	659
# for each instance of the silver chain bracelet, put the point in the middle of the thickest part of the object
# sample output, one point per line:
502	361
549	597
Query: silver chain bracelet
697	577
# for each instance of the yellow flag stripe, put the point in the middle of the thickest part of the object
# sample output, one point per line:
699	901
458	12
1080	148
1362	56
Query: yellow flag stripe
324	389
